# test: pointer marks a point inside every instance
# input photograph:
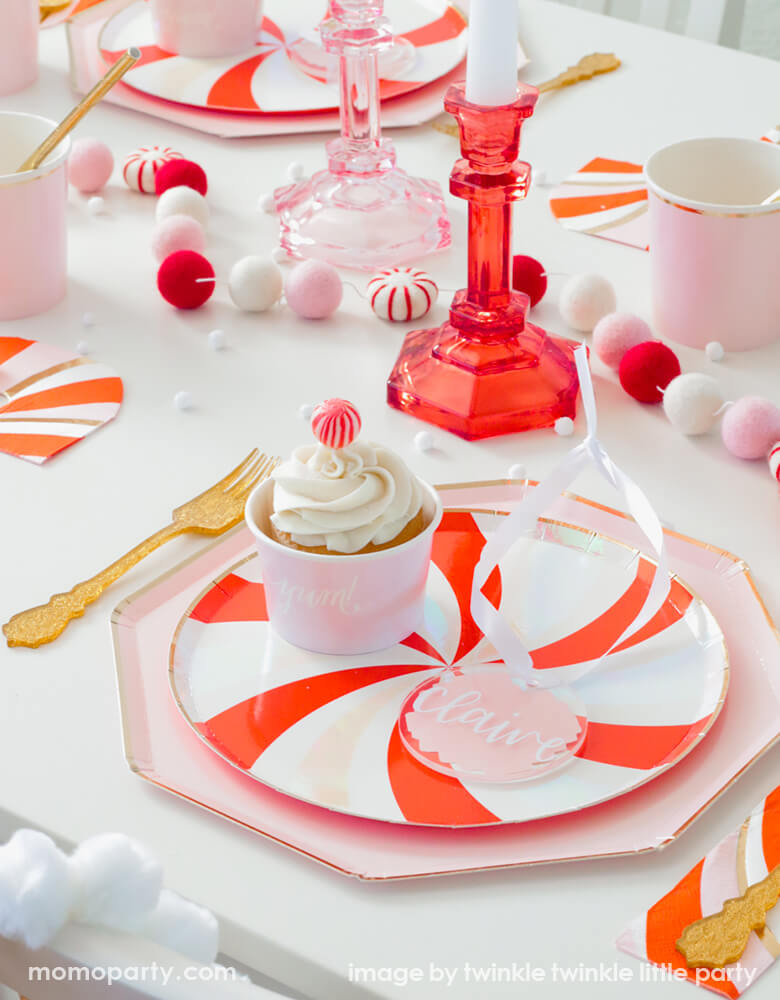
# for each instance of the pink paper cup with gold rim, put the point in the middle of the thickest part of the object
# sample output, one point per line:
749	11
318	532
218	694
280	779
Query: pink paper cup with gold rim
207	29
343	604
713	246
33	219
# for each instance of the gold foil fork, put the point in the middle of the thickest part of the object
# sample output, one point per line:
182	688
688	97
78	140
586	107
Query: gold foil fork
211	513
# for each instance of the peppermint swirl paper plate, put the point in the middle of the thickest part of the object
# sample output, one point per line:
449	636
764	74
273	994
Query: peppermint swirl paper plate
325	729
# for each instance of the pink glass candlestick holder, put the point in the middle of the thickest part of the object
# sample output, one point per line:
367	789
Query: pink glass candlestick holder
487	370
362	211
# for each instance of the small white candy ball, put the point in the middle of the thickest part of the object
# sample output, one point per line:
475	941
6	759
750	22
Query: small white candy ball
183	400
424	441
714	351
96	205
279	256
585	299
267	203
516	472
255	284
87	319
117	883
184	927
296	171
182	200
691	402
35	889
306	410
564	426
539	177
82	347
217	340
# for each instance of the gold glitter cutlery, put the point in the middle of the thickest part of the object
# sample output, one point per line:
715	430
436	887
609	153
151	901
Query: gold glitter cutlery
211	513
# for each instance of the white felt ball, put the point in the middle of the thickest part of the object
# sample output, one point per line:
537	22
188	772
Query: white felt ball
564	426
306	410
183	400
87	319
424	441
279	255
255	284
35	889
401	294
183	927
691	402
117	883
267	203
96	205
585	299
296	171
82	347
714	351
182	200
516	472
217	340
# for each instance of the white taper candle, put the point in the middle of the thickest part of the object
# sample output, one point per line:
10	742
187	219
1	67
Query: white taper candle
491	74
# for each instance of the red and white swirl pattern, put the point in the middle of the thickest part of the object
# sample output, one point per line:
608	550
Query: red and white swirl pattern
141	166
326	729
401	294
336	423
774	461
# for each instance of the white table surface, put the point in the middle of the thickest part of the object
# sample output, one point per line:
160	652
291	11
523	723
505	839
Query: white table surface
61	761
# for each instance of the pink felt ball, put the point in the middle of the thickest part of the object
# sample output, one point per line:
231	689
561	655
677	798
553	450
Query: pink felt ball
90	165
186	279
529	276
647	369
617	333
750	427
181	173
314	289
177	232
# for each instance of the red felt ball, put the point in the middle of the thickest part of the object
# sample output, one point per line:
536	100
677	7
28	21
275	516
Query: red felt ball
529	276
181	173
647	369
178	281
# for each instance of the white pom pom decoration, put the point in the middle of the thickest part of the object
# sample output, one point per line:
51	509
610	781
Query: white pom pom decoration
87	320
182	200
217	340
691	402
714	351
585	299
296	171
516	472
424	441
142	165
255	284
564	426
306	410
267	203
117	883
82	347
183	400
35	889
183	927
774	461
96	205
401	294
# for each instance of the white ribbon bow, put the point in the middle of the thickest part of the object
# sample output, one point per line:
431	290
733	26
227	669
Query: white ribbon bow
523	520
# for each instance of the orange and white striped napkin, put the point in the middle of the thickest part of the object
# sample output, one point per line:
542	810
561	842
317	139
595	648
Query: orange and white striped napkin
50	398
744	858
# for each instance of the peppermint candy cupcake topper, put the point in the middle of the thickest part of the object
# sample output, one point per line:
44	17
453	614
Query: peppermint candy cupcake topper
336	423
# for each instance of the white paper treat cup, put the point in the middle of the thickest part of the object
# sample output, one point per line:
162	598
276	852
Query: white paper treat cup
343	604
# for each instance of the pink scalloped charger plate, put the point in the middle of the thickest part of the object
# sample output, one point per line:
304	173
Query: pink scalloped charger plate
274	78
325	729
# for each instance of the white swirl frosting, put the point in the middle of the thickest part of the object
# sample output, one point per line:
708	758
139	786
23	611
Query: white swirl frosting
344	498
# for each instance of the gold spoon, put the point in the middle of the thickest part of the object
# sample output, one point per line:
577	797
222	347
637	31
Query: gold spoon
588	67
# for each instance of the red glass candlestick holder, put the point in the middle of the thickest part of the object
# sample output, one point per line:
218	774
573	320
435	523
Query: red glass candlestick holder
487	370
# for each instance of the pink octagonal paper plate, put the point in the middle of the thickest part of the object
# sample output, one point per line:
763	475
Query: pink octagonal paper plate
163	749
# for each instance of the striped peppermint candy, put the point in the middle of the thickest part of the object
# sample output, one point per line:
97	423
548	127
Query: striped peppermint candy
400	294
774	460
141	166
336	423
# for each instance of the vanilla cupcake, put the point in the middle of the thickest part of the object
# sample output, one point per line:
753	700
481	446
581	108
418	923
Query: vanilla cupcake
344	532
